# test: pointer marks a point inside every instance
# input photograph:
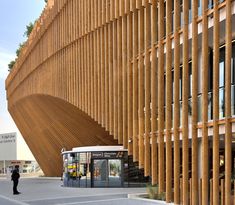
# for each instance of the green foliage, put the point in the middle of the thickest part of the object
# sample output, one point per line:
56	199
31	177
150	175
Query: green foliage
10	65
21	45
153	192
45	1
27	33
29	29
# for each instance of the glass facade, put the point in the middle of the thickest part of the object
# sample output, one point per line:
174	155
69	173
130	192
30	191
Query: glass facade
101	169
210	87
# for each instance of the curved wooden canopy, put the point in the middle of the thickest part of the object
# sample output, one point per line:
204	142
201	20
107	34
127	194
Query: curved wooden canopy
49	124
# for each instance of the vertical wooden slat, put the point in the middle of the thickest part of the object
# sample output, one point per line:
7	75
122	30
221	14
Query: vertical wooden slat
82	17
154	93
108	10
115	72
181	191
83	74
161	93
103	103
176	120
89	73
93	74
99	74
185	103
200	191
117	8
147	86
95	77
168	102
216	106
194	102
211	191
80	74
135	87
124	77
85	64
111	82
130	82
222	195
204	103
228	129
141	87
120	81
107	86
112	4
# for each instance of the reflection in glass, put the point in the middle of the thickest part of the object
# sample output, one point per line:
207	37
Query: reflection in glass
114	172
221	103
221	74
233	99
100	173
181	114
210	106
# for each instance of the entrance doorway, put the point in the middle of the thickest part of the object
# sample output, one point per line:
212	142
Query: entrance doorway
107	173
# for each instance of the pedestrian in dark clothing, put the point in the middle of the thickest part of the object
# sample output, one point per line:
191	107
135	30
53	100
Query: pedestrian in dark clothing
15	178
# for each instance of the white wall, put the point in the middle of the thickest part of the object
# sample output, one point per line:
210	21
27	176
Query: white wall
23	151
14	147
8	146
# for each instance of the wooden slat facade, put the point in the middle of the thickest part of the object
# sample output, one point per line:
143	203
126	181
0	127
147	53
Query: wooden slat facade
141	73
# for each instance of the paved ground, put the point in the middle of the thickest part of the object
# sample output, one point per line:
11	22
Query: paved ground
45	191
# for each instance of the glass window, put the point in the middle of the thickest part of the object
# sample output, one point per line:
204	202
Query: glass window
114	172
210	4
190	107
181	107
233	99
233	66
199	7
221	74
210	106
221	103
180	84
190	80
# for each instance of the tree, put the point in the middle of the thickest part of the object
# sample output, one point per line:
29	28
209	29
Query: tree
21	45
45	1
10	65
29	29
27	33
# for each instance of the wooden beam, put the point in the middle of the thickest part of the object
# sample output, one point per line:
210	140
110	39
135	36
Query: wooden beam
147	81
228	128
185	79
194	103
161	93
216	142
168	109
204	159
176	120
154	89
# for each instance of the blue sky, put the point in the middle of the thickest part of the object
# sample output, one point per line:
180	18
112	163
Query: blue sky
14	16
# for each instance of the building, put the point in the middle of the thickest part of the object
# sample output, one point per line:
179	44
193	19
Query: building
10	155
101	166
147	74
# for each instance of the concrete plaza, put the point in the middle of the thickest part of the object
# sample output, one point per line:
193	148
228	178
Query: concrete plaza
48	191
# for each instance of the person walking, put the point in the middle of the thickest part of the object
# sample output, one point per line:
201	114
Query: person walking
15	178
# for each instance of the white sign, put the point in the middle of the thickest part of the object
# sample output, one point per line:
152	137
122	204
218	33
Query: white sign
8	146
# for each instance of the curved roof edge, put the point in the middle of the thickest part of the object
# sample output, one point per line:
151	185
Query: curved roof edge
95	149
